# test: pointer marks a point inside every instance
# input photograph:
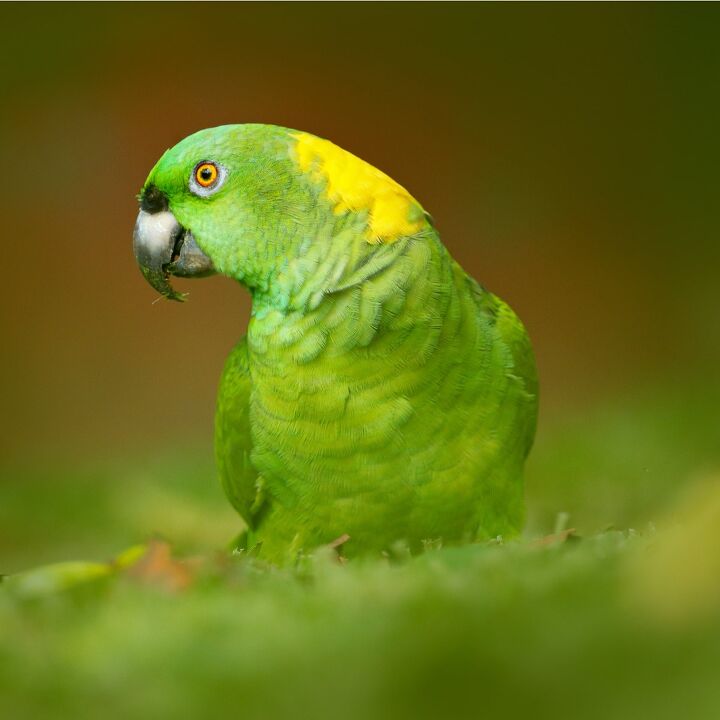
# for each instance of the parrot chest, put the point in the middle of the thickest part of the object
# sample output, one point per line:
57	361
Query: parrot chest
413	423
401	412
324	419
342	455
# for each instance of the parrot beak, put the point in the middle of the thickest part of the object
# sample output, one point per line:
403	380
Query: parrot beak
163	248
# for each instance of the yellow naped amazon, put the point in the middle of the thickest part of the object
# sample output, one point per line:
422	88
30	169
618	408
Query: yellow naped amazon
380	392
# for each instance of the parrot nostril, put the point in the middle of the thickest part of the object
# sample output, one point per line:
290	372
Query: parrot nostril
153	200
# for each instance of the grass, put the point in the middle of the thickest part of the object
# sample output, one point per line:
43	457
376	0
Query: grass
618	623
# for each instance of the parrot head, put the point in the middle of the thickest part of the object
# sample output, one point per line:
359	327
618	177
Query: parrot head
243	200
207	206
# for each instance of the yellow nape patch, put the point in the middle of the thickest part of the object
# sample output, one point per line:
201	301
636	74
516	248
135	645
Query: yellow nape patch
353	184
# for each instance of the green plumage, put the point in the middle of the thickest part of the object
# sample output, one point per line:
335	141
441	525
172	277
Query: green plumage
380	391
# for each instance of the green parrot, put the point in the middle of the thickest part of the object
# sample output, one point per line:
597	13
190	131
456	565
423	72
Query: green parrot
380	394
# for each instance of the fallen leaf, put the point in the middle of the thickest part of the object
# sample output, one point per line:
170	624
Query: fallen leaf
157	567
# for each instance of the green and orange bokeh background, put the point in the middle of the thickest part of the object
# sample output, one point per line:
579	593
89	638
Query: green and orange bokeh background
570	156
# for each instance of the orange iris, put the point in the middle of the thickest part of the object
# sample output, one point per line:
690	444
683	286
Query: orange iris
206	174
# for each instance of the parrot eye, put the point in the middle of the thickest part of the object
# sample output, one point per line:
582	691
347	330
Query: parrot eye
206	174
206	178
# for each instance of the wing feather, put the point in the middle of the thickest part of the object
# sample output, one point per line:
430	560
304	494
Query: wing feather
233	442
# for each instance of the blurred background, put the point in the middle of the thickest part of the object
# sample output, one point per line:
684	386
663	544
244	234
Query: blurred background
569	155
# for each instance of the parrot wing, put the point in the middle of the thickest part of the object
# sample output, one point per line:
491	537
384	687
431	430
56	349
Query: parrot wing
524	368
521	366
233	443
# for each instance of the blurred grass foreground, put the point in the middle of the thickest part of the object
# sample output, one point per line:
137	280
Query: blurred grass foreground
599	622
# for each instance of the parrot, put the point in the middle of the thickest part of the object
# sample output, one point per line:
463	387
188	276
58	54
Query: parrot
381	397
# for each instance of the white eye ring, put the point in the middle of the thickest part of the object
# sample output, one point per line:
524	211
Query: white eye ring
206	190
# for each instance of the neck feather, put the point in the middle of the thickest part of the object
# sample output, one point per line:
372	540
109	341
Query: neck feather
341	293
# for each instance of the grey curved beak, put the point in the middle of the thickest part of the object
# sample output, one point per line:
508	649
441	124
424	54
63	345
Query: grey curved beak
163	248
